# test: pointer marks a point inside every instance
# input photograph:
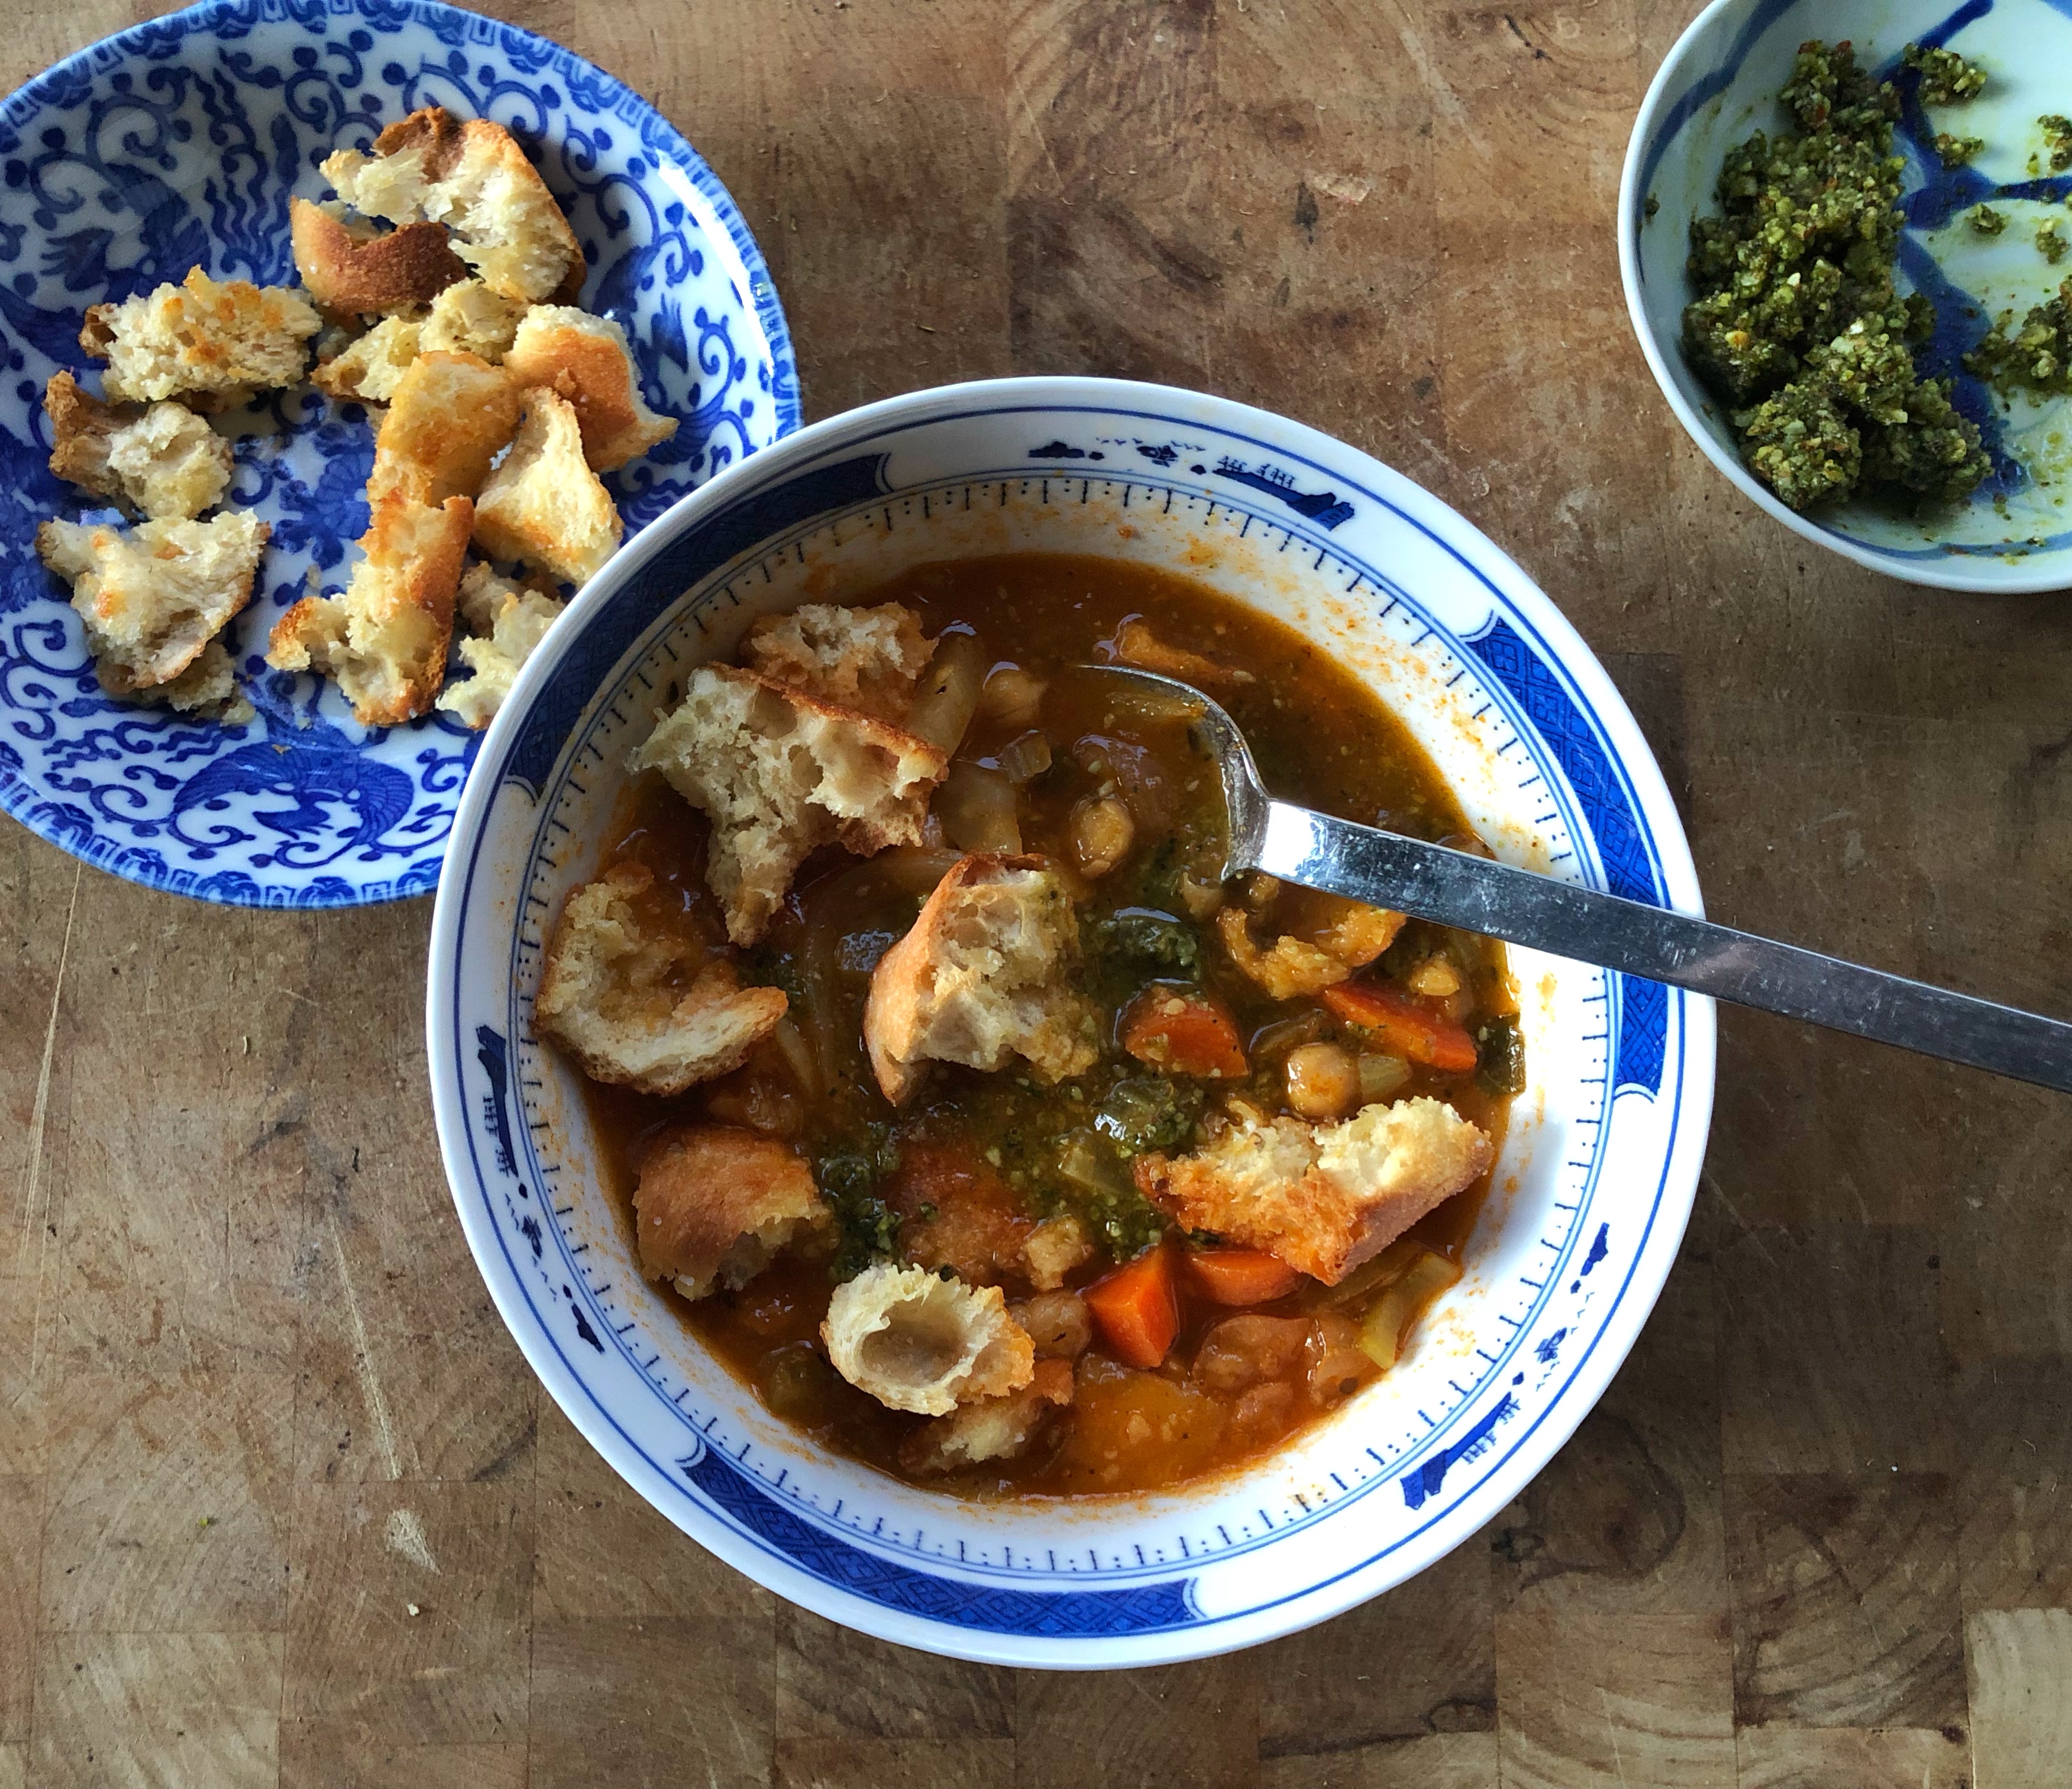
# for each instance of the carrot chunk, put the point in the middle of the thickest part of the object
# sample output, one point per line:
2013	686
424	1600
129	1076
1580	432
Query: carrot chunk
1137	1309
1404	1025
1185	1031
1241	1276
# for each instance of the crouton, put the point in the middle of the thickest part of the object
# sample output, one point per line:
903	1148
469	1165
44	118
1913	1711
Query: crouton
778	774
472	318
508	620
984	977
867	659
1053	1248
544	507
638	1006
207	687
219	340
1323	1197
587	360
385	639
358	271
449	417
163	463
370	367
1294	967
715	1205
153	598
1135	644
1059	1323
990	1429
474	179
916	1341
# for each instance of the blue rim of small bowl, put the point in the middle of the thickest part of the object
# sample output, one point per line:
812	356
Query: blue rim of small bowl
1657	116
65	81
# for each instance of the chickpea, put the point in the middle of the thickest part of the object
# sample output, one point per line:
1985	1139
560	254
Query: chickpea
1323	1081
1437	976
1102	833
1012	696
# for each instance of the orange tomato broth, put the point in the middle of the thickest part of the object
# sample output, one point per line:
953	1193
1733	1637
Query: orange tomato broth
1320	737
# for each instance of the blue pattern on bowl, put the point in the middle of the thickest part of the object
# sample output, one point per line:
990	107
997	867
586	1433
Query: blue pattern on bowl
179	143
1182	1579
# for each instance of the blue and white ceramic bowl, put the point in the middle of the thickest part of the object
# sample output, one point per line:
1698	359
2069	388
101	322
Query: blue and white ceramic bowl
1719	83
1597	1173
179	142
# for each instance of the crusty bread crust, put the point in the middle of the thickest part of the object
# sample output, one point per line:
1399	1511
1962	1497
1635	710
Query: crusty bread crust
990	1429
638	1006
474	179
354	273
778	774
984	976
220	340
385	638
587	360
163	463
714	1205
1292	968
153	597
916	1341
451	415
543	505
867	659
1322	1197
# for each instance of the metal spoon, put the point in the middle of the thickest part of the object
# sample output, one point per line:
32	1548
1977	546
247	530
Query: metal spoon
1451	887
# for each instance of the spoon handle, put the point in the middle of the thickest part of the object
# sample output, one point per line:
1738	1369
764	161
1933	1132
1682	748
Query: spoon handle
1522	907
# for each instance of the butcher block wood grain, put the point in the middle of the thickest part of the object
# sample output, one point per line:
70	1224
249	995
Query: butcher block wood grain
280	1504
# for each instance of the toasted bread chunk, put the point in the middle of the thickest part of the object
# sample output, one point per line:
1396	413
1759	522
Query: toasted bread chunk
472	318
587	360
715	1205
222	340
209	687
990	1428
153	598
640	1006
1324	1198
1294	967
360	272
984	977
163	463
1053	1248
544	507
385	639
371	366
508	620
779	773
869	659
449	417
474	179
918	1342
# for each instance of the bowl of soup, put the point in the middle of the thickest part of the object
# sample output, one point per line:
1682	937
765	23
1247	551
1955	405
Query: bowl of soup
913	1164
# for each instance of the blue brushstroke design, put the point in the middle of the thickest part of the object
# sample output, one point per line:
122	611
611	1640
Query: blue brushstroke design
1598	1249
1705	92
582	1326
1430	1478
1324	508
1057	450
998	1609
1549	1347
490	1051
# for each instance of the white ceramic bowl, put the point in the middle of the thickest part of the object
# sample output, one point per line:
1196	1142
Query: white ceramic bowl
1597	1173
1717	85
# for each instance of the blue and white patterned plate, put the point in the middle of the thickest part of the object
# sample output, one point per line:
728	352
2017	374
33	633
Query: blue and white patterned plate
1598	1167
179	142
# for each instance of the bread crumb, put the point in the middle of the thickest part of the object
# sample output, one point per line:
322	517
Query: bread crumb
543	505
715	1205
351	269
224	340
640	1006
163	463
586	360
867	659
509	621
152	597
916	1341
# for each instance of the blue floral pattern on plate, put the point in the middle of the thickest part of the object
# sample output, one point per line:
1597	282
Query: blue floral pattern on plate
179	143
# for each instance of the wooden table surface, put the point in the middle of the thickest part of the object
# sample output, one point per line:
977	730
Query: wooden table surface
279	1500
